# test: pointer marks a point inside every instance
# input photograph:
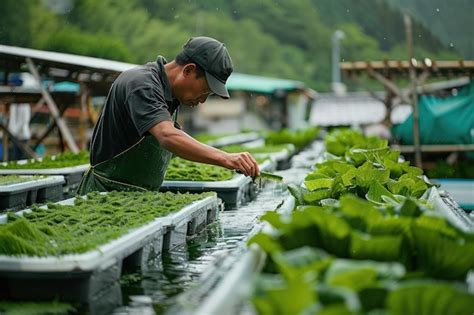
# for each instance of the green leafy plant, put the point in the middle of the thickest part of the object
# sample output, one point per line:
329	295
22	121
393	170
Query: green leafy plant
69	229
299	137
16	179
184	170
363	203
58	161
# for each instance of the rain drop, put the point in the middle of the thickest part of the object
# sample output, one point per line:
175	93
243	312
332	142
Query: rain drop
437	9
347	10
451	45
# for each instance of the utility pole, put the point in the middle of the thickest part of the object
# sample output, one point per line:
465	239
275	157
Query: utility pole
414	94
337	85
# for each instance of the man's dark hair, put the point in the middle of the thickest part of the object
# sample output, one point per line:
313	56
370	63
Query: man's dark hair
181	59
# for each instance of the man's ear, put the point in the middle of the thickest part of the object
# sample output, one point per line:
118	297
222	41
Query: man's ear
189	69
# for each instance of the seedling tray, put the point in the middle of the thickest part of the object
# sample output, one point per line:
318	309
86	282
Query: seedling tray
282	158
82	277
234	139
308	157
72	176
36	190
233	192
461	190
444	204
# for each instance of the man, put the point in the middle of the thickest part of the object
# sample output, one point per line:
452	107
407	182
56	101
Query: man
137	132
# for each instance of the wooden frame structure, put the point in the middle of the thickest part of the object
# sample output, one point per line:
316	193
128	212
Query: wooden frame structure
387	72
94	74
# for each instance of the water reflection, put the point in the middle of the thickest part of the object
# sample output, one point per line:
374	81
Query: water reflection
157	286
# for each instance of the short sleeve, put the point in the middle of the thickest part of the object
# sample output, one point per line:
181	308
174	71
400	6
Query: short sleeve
146	109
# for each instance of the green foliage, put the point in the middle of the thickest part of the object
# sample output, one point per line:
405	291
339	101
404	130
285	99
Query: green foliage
295	45
184	170
387	229
71	40
87	224
206	137
445	20
461	169
15	23
267	149
16	179
58	161
299	138
38	308
429	298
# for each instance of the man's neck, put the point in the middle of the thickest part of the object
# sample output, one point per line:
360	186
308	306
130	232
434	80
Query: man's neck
172	69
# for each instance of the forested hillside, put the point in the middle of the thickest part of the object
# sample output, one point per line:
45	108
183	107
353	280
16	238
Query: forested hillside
452	21
280	38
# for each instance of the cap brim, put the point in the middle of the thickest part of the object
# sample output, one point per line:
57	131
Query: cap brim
216	86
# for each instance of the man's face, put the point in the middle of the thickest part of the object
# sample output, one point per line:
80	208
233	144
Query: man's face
191	89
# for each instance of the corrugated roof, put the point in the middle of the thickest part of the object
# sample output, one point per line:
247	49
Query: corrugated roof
236	82
352	109
259	84
66	59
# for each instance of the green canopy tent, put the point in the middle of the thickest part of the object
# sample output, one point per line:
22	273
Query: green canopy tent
442	120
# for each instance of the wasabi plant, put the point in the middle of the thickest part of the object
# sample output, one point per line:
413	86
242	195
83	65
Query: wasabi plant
58	161
72	229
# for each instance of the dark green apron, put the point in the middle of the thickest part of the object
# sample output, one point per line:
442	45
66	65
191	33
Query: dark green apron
139	168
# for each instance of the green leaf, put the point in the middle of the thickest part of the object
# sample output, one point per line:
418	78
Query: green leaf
357	211
378	247
291	297
376	191
313	197
349	176
274	218
409	208
266	242
442	256
429	298
318	183
297	192
367	174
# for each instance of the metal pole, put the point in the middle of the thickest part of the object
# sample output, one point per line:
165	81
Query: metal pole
336	52
414	94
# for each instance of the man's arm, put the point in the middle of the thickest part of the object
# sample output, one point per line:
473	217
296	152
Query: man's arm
186	147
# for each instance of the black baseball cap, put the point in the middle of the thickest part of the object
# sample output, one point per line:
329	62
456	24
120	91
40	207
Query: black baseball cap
213	57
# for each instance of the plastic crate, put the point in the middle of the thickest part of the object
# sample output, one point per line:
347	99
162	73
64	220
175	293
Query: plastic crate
233	192
84	277
37	190
72	176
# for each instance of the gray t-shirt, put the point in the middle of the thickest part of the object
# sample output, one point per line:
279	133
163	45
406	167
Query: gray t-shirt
138	99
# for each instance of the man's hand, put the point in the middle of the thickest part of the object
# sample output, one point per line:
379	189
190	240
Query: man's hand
178	142
244	162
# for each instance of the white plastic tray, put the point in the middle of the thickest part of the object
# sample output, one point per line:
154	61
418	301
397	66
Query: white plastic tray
33	183
105	255
462	190
280	155
234	139
450	210
308	157
237	181
46	171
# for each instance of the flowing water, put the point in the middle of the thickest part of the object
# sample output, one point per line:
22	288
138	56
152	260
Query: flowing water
155	290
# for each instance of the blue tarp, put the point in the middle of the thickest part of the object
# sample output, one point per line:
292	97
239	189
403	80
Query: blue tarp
442	120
